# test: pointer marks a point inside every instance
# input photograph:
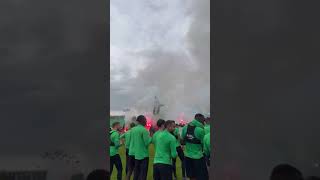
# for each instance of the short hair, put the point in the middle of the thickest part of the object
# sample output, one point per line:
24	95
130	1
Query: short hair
168	123
98	175
285	172
115	123
141	119
199	116
160	122
132	125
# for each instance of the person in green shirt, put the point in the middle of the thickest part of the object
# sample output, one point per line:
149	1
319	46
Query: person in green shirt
139	149
180	152
207	147
160	124
126	137
165	152
115	159
195	163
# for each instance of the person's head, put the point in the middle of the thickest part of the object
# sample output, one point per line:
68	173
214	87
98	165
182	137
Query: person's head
132	125
170	125
116	126
285	172
200	118
160	123
142	120
99	174
313	178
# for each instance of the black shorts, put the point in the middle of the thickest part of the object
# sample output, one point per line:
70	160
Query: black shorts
196	168
130	163
162	172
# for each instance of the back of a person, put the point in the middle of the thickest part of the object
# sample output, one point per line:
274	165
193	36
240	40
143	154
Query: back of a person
155	137
138	147
131	143
194	150
163	150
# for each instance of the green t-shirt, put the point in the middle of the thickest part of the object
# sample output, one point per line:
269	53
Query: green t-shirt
206	144
115	138
194	151
165	148
139	142
155	136
206	129
126	137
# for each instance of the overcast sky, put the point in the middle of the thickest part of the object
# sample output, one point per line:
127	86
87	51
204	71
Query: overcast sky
148	37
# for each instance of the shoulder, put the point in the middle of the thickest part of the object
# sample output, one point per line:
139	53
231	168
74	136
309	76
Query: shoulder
171	137
115	134
199	130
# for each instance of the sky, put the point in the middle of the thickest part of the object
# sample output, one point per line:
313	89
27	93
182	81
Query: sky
154	48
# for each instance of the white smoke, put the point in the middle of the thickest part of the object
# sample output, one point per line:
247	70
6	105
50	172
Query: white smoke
180	77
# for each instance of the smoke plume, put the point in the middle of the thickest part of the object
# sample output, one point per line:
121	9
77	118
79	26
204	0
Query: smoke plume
180	77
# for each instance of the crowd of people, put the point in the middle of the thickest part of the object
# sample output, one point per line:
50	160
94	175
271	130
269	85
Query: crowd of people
189	143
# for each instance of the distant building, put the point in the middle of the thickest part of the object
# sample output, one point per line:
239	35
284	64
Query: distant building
23	175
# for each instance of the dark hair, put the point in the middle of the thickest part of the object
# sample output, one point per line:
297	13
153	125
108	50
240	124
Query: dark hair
197	116
313	178
141	120
285	172
115	123
99	174
132	125
168	123
160	122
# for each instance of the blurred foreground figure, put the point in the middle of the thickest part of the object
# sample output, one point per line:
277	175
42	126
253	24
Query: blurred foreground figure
286	172
99	174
